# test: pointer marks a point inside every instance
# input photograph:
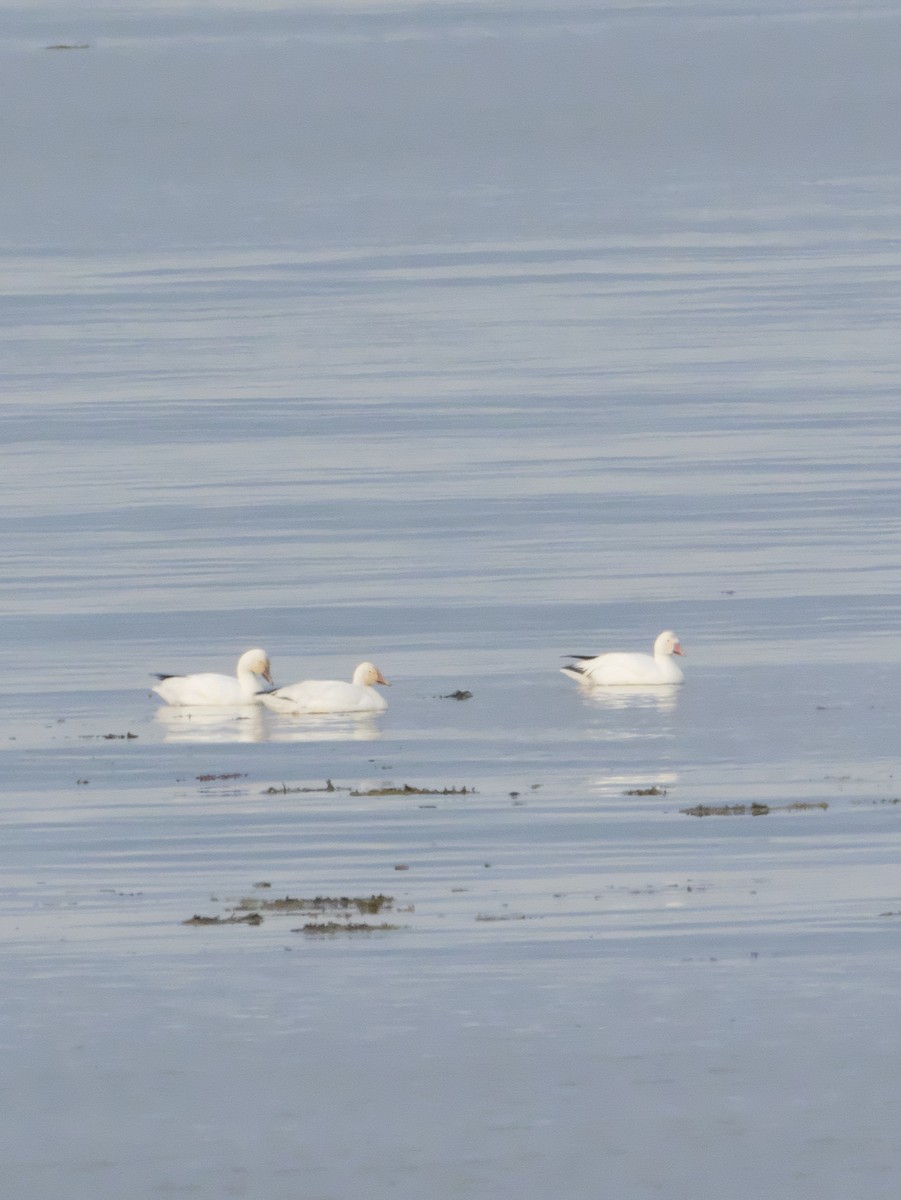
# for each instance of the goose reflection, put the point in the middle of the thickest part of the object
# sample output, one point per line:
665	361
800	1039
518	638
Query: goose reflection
243	723
322	727
662	697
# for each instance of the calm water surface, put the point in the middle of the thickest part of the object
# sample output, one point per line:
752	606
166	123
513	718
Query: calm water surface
457	338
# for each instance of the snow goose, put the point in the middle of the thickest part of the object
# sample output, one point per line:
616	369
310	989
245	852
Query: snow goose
331	695
221	690
628	669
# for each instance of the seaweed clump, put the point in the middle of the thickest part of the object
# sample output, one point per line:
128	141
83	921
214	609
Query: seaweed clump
252	918
333	927
293	904
407	789
753	810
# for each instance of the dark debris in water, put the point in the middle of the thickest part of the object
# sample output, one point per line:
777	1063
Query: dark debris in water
332	927
110	737
407	789
292	904
753	810
284	790
250	910
211	778
253	918
648	791
504	917
459	694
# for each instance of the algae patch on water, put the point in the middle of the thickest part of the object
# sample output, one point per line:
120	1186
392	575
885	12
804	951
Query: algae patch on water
250	910
110	737
249	919
332	927
284	790
294	904
389	789
407	789
752	810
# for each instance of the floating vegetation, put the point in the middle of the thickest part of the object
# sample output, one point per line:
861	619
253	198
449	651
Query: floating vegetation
250	910
69	46
648	791
211	778
284	790
109	737
253	918
407	789
332	927
505	917
753	810
651	889
459	694
293	904
727	810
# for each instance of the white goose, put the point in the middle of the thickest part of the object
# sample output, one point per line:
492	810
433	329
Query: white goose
219	690
628	669
331	695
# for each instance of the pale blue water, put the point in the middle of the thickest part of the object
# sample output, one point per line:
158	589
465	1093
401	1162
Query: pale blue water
458	338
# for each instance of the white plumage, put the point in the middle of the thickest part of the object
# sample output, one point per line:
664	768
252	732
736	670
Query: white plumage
220	690
621	669
331	695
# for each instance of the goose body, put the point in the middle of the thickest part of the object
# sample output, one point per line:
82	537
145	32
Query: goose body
331	695
218	690
621	669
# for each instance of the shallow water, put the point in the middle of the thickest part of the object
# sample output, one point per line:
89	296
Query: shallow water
457	338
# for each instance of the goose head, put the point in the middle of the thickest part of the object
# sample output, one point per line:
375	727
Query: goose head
367	674
256	662
667	643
